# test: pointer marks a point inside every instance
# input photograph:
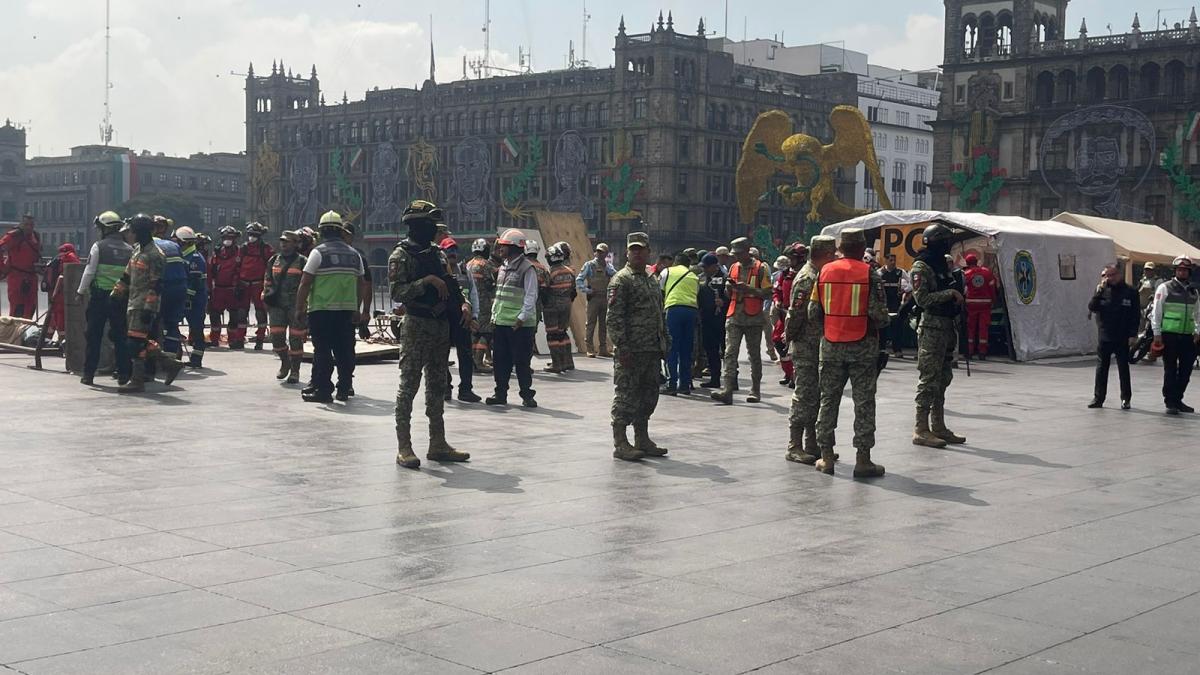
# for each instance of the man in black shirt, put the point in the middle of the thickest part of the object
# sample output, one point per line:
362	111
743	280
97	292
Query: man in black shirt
1115	305
712	301
894	282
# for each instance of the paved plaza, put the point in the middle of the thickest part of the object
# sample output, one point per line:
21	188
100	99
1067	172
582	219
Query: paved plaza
222	525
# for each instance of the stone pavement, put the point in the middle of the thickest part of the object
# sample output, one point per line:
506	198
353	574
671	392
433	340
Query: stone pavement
225	526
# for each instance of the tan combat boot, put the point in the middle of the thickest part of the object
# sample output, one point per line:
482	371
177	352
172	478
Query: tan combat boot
921	433
622	449
937	426
811	452
285	365
724	396
405	456
137	379
795	449
439	449
642	442
294	373
826	462
865	468
170	366
754	396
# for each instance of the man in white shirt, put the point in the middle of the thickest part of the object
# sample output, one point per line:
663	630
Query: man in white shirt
1176	332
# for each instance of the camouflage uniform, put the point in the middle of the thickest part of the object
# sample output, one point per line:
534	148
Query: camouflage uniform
142	280
485	272
804	340
424	339
937	339
288	329
635	325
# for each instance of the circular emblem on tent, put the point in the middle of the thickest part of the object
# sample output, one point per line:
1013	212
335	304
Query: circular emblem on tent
1025	275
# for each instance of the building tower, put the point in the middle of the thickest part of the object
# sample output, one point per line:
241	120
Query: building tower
981	30
12	172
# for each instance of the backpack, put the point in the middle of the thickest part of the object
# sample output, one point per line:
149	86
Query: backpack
50	274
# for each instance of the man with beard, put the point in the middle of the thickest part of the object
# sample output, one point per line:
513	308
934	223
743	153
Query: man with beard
940	300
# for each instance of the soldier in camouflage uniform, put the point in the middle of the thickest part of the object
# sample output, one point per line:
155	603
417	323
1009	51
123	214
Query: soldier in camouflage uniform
940	302
804	340
289	330
639	336
849	349
141	284
484	270
420	281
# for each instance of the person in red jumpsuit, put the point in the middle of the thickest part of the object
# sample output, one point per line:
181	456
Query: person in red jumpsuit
22	249
981	293
54	286
223	275
781	294
255	255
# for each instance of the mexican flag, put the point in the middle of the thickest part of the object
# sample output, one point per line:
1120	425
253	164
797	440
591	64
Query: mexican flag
510	146
356	156
1192	128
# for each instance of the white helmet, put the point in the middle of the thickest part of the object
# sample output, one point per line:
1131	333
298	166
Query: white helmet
555	254
532	247
185	233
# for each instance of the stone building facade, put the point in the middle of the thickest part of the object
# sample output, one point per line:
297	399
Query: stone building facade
12	173
1032	122
656	137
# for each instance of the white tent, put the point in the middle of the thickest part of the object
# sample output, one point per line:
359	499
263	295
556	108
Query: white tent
1137	243
1048	271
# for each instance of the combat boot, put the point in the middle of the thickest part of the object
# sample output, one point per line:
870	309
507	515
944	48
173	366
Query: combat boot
87	380
170	366
621	447
754	396
865	468
136	383
642	442
937	426
724	396
795	449
921	433
258	344
285	365
405	456
826	462
196	360
294	372
439	449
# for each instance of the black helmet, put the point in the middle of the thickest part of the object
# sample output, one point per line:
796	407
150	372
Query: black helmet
141	223
937	232
420	209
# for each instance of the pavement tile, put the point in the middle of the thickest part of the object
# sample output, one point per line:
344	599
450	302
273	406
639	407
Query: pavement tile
78	530
1078	602
216	567
234	647
14	605
61	632
44	562
96	587
364	658
489	644
596	661
908	652
139	657
12	542
386	616
172	613
295	590
142	548
1106	653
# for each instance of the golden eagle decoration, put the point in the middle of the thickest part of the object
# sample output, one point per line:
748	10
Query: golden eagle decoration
772	146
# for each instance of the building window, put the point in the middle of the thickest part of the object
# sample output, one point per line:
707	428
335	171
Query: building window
147	180
685	110
682	188
902	118
206	215
639	146
639	107
220	185
681	221
920	185
1048	208
881	141
685	147
1008	91
899	184
207	183
235	185
178	182
604	114
960	93
901	143
221	216
191	182
236	215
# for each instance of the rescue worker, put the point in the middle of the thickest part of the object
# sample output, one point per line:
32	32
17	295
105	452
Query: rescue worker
106	263
483	270
1115	305
21	250
174	288
1146	288
204	246
796	256
981	293
256	255
592	282
514	313
560	297
308	239
635	315
712	301
681	290
940	300
803	335
224	273
197	293
280	284
461	331
419	280
851	307
1176	333
532	249
895	286
332	288
748	285
53	285
140	285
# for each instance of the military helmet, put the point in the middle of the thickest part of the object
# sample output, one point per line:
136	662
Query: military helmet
555	254
141	223
480	245
107	221
936	232
532	247
290	235
740	245
512	237
420	209
565	248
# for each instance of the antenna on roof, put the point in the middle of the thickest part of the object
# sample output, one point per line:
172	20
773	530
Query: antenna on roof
106	128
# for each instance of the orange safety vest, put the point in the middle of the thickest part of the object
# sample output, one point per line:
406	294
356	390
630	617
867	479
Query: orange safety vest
751	306
844	289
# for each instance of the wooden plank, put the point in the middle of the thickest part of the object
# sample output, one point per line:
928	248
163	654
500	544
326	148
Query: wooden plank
569	227
364	352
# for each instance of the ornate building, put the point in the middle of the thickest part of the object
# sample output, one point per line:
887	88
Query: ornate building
658	136
12	172
1032	122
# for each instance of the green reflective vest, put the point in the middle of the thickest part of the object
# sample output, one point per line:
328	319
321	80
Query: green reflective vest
335	283
114	256
682	287
1179	310
510	293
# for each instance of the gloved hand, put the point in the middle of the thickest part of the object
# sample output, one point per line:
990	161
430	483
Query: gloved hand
363	331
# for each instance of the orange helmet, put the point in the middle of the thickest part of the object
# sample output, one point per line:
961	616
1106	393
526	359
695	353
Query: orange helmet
512	237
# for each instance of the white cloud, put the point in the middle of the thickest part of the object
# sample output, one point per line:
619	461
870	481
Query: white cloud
917	48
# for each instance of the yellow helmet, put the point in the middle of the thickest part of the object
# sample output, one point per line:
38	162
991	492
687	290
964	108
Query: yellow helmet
332	219
108	219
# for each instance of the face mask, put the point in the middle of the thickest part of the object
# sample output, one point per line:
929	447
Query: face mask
252	239
422	232
227	242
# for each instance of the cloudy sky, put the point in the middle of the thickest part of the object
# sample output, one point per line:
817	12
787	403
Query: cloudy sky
172	60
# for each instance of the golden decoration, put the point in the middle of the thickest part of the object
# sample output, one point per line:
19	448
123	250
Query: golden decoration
422	168
266	178
771	147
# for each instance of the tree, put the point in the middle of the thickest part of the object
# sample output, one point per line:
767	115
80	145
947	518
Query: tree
182	209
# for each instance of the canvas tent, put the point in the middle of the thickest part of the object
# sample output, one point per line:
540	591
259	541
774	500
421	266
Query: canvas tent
1136	243
1048	271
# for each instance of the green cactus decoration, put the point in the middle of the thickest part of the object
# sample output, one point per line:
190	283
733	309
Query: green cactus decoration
1187	193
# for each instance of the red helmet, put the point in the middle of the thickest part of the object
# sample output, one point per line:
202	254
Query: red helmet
512	237
971	259
448	243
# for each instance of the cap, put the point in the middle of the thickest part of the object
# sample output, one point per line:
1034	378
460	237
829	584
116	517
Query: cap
797	249
739	245
822	243
1149	266
755	252
721	250
782	262
971	259
709	259
852	235
602	247
637	239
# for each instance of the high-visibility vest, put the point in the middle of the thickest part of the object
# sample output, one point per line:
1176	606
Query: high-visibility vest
751	306
114	256
1179	310
844	289
510	293
682	287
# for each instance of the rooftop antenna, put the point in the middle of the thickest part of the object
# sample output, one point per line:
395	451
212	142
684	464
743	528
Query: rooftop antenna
106	129
583	61
487	37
